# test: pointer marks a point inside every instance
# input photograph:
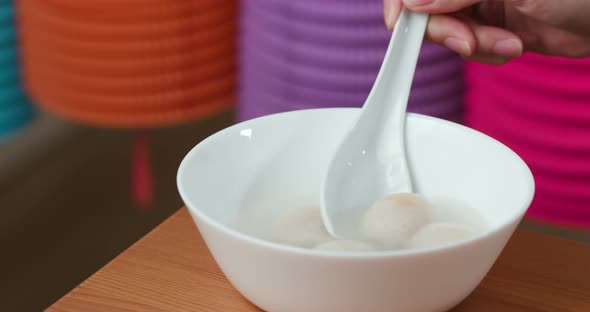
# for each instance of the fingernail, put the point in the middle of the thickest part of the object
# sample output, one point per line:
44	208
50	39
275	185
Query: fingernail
389	20
458	45
388	14
417	3
508	47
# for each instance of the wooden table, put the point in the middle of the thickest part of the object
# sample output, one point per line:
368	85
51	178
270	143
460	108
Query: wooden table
171	269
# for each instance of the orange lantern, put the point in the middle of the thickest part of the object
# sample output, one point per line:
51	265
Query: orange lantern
130	63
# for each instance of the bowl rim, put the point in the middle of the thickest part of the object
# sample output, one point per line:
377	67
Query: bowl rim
379	254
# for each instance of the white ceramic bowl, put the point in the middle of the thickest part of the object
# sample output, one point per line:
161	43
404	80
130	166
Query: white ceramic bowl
250	171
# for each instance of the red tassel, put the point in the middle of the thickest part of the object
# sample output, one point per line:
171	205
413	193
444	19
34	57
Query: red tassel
142	184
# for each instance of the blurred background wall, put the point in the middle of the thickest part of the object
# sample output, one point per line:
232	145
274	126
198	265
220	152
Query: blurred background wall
65	203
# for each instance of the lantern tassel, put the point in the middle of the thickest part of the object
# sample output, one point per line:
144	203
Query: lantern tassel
142	184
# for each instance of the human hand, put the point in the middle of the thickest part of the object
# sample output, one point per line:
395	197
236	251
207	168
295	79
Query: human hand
495	31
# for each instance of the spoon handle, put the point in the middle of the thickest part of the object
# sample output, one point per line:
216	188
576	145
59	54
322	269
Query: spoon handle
388	99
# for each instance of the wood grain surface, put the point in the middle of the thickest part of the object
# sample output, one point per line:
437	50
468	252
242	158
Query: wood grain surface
171	269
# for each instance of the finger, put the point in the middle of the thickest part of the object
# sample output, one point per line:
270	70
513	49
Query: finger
439	6
391	11
452	33
492	40
488	59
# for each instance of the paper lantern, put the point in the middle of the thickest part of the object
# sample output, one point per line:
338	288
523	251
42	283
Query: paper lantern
130	64
540	107
15	108
310	54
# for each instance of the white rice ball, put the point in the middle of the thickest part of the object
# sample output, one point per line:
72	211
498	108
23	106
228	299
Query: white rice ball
439	234
345	245
300	227
394	219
